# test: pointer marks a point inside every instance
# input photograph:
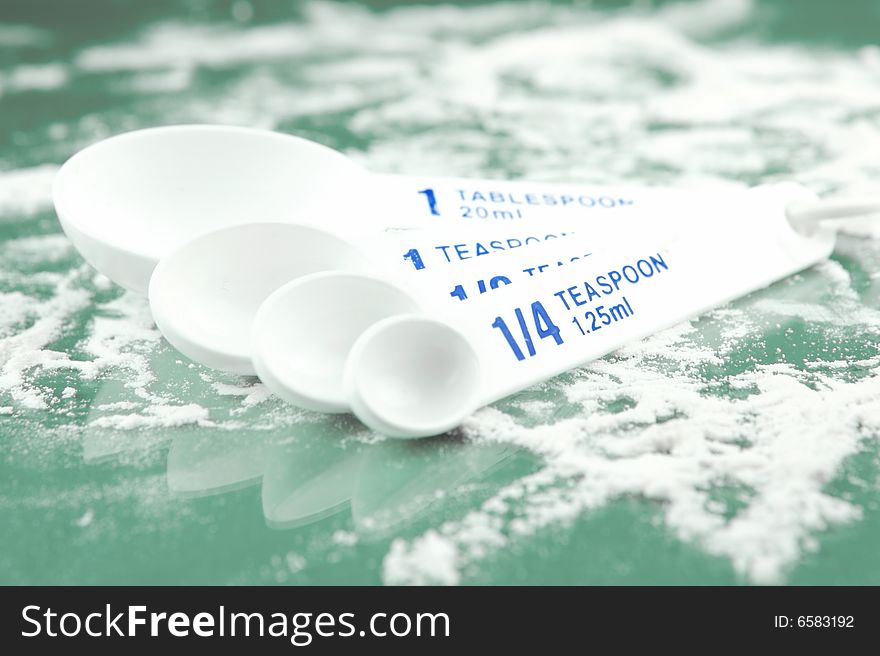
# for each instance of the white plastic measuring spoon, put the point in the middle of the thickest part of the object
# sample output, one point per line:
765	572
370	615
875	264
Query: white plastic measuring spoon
303	332
415	376
127	201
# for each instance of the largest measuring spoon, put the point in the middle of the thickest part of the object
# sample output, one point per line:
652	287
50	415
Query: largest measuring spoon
128	201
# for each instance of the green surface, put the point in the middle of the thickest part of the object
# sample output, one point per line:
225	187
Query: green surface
739	448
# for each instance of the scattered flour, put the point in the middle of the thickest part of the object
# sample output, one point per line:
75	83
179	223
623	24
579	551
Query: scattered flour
34	77
177	45
86	519
35	252
295	562
253	394
432	560
26	191
157	416
118	405
345	538
27	349
528	90
122	337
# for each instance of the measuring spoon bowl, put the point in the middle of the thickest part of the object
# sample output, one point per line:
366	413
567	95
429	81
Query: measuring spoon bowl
205	294
127	201
412	376
300	339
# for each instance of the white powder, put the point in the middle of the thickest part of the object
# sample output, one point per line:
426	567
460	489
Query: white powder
165	81
26	191
156	416
15	308
345	538
34	77
118	405
122	338
27	349
86	519
295	562
178	45
533	91
431	560
35	252
253	394
102	282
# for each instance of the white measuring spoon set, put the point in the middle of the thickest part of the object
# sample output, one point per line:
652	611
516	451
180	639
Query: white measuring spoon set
199	199
241	221
130	201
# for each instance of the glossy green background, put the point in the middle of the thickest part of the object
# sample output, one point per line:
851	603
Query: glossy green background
288	498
